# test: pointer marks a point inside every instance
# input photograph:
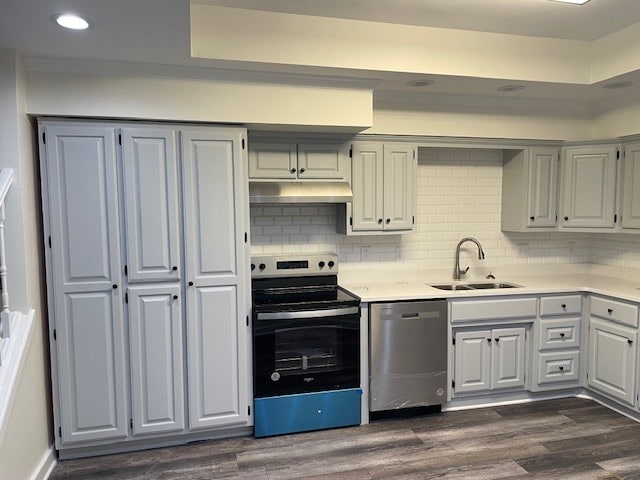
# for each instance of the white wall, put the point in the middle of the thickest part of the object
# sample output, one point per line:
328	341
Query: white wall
28	436
459	194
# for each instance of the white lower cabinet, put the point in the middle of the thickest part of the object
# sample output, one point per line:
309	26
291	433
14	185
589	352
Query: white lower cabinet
156	353
487	360
612	363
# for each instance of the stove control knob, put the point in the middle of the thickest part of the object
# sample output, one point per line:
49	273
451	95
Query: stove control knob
262	266
253	267
321	264
331	264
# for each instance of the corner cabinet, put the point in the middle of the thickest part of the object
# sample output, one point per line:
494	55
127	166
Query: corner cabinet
589	187
529	189
135	328
383	180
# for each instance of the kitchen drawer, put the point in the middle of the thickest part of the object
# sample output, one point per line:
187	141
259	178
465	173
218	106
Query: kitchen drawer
467	310
558	333
558	367
624	313
564	305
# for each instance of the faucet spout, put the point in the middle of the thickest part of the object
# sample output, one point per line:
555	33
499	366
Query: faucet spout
458	272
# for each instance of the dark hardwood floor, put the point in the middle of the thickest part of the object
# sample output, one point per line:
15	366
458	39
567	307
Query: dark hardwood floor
557	439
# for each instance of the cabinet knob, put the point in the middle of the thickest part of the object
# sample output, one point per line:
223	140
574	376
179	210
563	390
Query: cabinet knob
489	340
321	264
497	340
610	310
175	297
331	264
293	170
566	219
561	368
191	284
302	170
174	268
532	218
388	220
114	286
564	306
562	335
379	220
629	341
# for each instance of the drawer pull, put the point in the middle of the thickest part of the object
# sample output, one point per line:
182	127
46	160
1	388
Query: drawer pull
564	306
562	335
561	368
610	310
629	341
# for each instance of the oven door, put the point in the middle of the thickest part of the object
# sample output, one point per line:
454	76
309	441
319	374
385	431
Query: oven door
306	351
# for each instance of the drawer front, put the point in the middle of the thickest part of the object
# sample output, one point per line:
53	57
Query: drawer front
558	333
558	367
624	313
564	305
462	311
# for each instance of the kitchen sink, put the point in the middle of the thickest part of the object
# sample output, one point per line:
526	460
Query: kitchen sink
475	286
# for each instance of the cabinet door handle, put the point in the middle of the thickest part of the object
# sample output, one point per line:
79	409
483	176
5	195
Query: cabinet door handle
629	341
175	297
293	170
489	340
379	220
561	368
566	219
302	170
114	286
191	284
610	310
564	306
174	268
388	220
497	340
532	218
562	335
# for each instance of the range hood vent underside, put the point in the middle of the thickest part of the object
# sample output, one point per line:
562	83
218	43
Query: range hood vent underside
299	192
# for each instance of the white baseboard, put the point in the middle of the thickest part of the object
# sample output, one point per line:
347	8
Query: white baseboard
46	465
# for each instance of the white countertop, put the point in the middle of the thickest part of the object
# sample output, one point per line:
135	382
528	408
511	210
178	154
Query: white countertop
541	279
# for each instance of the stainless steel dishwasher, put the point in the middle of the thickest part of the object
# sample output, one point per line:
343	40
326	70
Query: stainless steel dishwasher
408	354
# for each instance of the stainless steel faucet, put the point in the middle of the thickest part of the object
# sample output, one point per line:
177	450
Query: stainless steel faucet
457	270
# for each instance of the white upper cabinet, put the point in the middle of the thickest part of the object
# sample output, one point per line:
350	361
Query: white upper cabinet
215	229
80	185
150	170
529	189
383	181
589	187
631	187
291	161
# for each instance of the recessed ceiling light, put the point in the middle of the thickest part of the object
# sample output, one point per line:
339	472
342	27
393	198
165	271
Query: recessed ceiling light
420	83
616	85
575	2
71	21
510	88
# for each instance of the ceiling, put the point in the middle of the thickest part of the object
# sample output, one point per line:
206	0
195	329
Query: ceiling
157	32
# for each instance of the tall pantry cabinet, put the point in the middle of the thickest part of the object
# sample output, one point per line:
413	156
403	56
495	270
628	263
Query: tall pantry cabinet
147	271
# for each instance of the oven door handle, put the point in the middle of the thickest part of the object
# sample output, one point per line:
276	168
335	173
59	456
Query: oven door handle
333	312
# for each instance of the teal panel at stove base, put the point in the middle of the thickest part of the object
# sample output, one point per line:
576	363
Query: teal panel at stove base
307	411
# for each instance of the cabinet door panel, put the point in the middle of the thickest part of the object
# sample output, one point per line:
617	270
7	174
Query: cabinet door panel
151	204
508	358
273	160
399	180
155	336
217	393
320	160
91	367
367	184
543	168
589	187
631	187
612	363
472	371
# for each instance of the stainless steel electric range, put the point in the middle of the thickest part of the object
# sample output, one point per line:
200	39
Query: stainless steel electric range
306	345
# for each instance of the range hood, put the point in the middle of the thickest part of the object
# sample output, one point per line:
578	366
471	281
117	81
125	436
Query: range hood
300	192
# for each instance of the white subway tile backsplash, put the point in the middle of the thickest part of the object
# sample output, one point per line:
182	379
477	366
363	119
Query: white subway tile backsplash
458	195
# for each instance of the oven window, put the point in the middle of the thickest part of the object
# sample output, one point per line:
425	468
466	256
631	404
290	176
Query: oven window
306	350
